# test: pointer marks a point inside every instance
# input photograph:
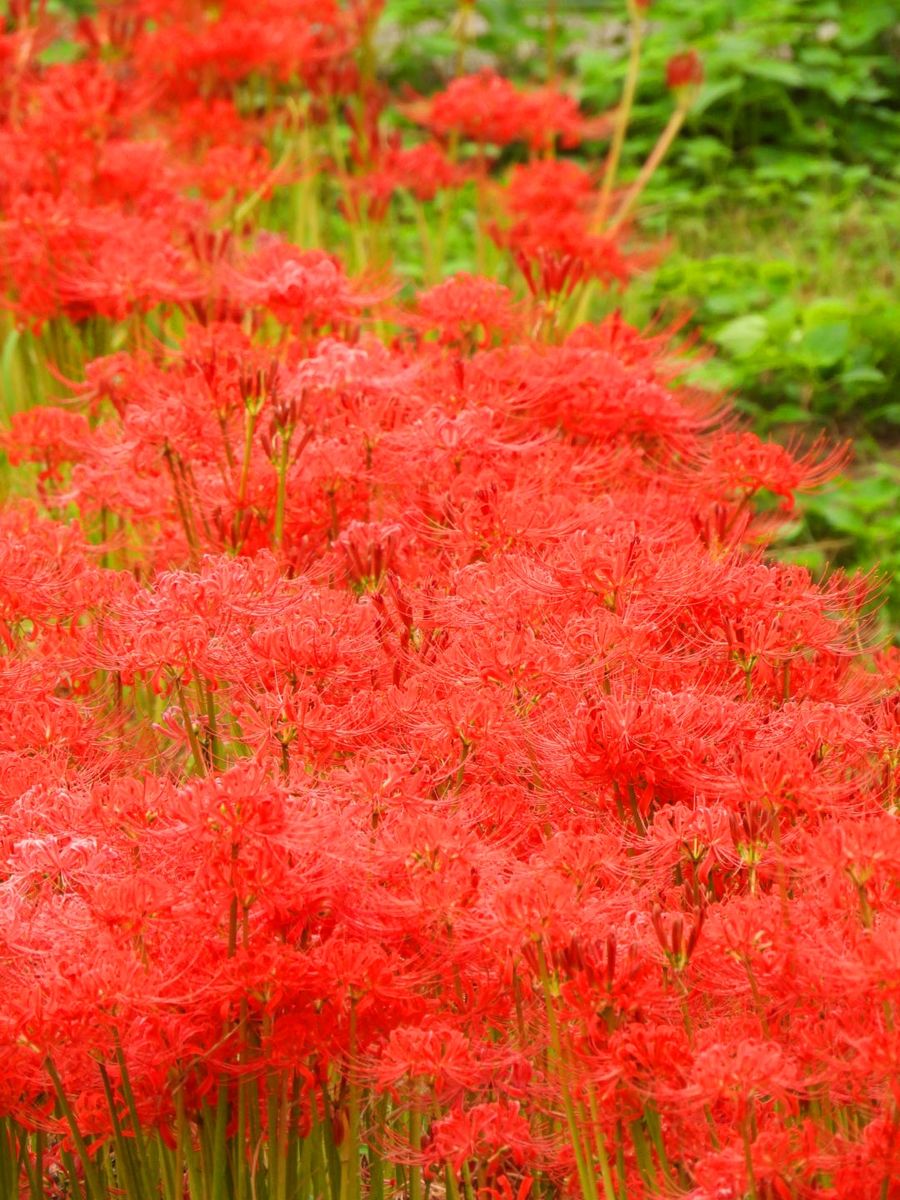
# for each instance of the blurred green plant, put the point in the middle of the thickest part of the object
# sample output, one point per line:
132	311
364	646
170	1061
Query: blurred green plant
803	318
854	524
794	90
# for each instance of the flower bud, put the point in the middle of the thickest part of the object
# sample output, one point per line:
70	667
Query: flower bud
684	71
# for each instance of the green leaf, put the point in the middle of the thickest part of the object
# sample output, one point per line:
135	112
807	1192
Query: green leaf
744	335
7	358
60	52
777	71
857	375
789	414
712	93
825	345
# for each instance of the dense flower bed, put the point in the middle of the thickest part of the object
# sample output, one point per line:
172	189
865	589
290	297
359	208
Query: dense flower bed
414	774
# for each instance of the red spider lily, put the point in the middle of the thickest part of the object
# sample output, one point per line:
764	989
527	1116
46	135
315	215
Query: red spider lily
423	170
190	48
684	70
740	462
468	311
414	772
306	290
552	236
488	1133
104	263
490	110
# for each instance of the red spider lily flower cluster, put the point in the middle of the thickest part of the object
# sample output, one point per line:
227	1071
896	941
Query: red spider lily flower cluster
414	772
490	110
550	230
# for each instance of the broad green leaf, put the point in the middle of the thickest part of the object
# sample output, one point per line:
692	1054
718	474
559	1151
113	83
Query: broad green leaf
776	70
789	414
857	375
744	335
711	93
825	345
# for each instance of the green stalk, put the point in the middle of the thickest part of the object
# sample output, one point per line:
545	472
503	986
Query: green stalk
164	1167
748	1160
657	154
239	1144
9	1160
451	1184
583	1164
428	254
376	1162
11	373
609	1188
199	758
184	1149
39	1140
552	34
620	1162
92	1179
293	1143
461	30
281	494
244	209
340	158
286	1108
623	115
713	1135
72	1173
304	1183
520	1013
639	822
215	745
136	1185
319	1167
644	1156
306	220
249	429
23	1164
350	1189
211	747
415	1141
219	1148
447	205
183	510
274	1158
331	1157
480	213
651	1116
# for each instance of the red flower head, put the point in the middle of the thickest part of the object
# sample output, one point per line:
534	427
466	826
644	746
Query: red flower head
490	109
684	70
469	310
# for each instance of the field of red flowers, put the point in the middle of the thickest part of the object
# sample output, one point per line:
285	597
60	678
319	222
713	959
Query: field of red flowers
416	778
